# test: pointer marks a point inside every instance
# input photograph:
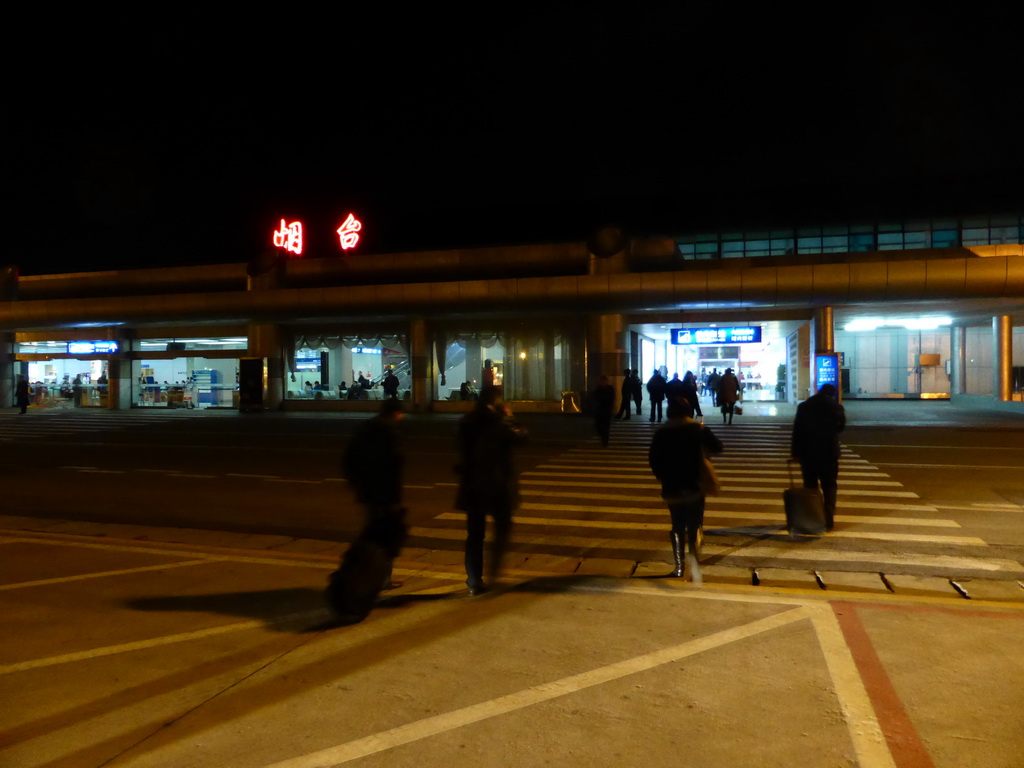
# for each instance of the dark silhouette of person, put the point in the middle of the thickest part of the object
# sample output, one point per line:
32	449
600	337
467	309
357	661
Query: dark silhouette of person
390	385
675	456
638	390
21	393
728	394
819	420
674	387
373	464
656	393
626	395
713	378
604	404
488	481
689	393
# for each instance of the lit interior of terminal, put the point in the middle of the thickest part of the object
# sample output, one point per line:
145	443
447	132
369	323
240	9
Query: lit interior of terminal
930	309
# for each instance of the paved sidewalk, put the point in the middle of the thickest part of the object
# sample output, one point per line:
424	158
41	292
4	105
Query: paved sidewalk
213	649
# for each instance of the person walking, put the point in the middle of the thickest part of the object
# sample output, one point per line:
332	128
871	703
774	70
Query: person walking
21	393
373	465
488	482
626	395
604	403
819	420
689	393
656	393
390	385
713	378
728	394
676	456
637	388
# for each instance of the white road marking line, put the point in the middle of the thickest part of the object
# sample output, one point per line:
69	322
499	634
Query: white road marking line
155	642
255	477
737	515
657	486
714	501
286	480
858	712
660	526
103	471
728	473
102	574
431	726
1016	468
71	466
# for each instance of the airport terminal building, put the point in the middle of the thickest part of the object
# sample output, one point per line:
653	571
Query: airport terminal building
912	309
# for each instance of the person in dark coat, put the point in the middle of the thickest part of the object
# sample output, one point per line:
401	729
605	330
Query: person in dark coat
637	388
390	385
819	420
656	393
626	395
689	392
21	393
373	464
604	403
675	456
674	387
488	481
728	394
713	378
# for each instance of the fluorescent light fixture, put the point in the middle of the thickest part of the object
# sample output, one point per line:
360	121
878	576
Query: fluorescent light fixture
910	323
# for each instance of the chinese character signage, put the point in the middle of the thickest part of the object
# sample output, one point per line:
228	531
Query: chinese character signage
348	232
826	371
708	336
92	347
289	237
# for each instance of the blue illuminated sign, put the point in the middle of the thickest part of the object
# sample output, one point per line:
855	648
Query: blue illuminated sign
707	336
826	371
92	347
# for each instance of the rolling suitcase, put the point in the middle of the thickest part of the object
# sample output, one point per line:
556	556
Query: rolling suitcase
353	589
805	508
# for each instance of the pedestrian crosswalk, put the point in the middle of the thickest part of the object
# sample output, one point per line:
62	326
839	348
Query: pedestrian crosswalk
593	501
59	421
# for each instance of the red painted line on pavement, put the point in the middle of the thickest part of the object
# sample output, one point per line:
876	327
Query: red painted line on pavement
974	614
901	736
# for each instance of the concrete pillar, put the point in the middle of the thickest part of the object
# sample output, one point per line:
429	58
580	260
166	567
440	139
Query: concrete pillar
1002	358
550	391
824	334
958	360
606	350
265	340
7	369
419	359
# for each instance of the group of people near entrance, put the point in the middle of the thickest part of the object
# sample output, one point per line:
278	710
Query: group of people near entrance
489	485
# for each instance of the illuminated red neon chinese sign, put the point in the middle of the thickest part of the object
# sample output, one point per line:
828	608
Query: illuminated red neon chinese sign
348	232
289	237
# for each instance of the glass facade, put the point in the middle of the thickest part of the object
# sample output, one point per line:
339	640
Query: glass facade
853	238
346	366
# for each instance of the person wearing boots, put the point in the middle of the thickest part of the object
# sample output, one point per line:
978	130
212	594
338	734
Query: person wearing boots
728	394
676	454
488	481
626	394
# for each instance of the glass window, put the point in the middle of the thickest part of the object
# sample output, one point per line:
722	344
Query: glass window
783	246
732	250
347	366
862	241
808	245
945	238
975	236
835	244
916	239
707	250
185	382
890	241
999	235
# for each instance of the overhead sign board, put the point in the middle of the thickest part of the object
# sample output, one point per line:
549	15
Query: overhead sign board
92	347
743	335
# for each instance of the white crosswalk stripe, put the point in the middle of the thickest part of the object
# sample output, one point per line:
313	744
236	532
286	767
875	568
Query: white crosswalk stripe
592	499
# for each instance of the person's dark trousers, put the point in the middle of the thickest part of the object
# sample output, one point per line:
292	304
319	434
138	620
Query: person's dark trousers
714	398
826	472
603	424
638	399
655	404
727	410
476	527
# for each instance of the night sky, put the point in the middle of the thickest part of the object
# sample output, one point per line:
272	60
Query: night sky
180	143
